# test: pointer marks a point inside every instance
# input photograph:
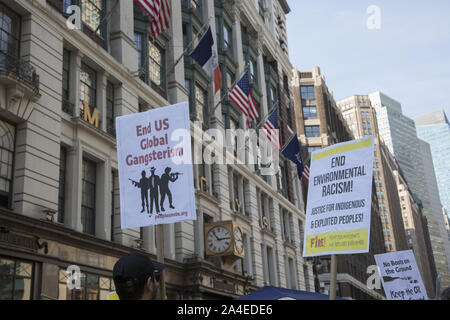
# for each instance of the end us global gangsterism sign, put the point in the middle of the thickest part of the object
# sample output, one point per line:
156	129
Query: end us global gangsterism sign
155	167
339	199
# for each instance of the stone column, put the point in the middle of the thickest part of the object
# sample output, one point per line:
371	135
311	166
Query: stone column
148	234
74	173
101	99
74	81
103	201
177	91
261	74
122	45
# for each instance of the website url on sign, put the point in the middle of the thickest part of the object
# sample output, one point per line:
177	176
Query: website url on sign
171	215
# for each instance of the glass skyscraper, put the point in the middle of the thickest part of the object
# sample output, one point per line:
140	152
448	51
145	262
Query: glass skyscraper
434	128
400	136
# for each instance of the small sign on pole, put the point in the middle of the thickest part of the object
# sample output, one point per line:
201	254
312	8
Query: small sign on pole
400	276
155	167
339	199
339	202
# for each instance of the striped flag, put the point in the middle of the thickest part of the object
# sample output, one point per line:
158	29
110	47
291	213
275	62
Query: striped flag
242	96
305	173
205	54
270	129
159	11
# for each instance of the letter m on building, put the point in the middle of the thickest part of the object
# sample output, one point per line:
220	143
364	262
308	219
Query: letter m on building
91	118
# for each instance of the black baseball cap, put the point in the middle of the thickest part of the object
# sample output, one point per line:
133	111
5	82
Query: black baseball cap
135	265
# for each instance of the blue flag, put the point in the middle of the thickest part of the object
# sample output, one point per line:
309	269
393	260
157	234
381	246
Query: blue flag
293	152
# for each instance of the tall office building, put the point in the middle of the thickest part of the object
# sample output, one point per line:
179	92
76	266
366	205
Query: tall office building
361	119
434	128
320	124
416	227
400	136
60	92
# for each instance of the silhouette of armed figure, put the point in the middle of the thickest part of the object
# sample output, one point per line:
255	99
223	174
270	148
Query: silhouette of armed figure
154	183
164	186
144	185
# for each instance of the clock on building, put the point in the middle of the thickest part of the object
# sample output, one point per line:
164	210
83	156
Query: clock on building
224	239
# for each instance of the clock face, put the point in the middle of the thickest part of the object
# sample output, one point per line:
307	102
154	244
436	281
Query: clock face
218	239
238	239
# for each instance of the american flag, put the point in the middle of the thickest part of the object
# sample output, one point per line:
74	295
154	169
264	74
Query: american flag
270	129
305	173
159	11
242	96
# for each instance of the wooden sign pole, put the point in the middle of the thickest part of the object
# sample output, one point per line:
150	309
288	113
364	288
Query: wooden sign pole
333	277
160	258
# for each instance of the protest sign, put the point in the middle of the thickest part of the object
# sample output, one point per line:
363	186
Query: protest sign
155	167
339	199
400	276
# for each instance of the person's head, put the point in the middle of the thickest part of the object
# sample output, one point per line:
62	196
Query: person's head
168	170
136	277
143	174
152	170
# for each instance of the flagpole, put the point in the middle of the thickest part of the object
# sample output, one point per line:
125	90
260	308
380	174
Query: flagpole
201	32
106	18
232	86
267	116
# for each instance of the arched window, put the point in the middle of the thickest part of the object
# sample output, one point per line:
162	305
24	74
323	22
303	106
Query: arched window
7	146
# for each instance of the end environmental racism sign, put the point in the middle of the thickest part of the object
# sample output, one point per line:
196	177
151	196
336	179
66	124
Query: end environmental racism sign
155	167
339	199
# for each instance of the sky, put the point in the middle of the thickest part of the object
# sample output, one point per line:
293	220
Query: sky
408	58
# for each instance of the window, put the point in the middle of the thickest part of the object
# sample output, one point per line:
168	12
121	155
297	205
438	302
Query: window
88	197
7	147
271	266
227	38
261	8
93	287
201	104
312	131
307	92
151	60
286	225
253	69
16	279
110	110
302	234
113	186
155	64
229	79
9	37
309	112
291	274
88	89
92	13
273	96
311	150
138	39
62	184
66	106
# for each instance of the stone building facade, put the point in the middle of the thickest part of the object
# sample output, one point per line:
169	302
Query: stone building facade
60	193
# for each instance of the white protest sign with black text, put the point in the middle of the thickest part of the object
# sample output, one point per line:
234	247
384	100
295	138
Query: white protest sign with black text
155	167
400	276
339	199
